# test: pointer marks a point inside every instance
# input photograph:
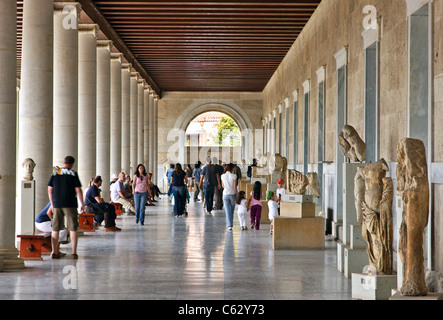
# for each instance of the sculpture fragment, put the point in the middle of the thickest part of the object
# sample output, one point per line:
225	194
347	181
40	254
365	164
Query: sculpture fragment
413	186
351	145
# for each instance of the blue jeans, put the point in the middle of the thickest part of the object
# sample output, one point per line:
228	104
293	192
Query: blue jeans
179	193
229	203
209	197
140	205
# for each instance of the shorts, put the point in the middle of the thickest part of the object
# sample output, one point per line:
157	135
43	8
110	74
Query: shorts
58	220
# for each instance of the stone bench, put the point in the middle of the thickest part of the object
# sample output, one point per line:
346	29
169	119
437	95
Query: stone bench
32	246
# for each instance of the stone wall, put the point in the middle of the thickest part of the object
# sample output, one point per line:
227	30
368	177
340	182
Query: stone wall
338	24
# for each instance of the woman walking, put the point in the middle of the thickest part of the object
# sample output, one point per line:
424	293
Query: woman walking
229	183
140	190
179	181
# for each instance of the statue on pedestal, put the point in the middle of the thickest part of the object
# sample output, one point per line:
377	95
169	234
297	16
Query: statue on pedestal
351	145
373	193
297	183
28	166
413	185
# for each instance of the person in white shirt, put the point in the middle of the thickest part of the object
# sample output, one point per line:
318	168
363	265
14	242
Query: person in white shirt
242	210
273	208
229	184
279	192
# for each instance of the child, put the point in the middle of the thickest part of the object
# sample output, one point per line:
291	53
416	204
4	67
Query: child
240	200
279	192
254	203
273	207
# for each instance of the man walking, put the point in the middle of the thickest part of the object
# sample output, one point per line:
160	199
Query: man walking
62	189
210	179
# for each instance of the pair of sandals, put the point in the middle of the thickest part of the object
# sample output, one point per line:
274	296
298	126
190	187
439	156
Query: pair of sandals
61	254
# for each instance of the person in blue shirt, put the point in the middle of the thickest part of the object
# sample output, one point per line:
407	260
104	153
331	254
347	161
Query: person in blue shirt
196	174
44	224
102	210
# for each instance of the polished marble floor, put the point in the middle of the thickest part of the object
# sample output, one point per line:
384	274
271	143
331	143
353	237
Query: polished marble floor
190	258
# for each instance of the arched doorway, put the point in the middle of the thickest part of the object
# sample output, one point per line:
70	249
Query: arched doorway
243	151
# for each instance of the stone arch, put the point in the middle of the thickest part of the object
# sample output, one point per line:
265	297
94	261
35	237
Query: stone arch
197	108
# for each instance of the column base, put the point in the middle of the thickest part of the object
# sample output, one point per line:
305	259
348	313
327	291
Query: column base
11	261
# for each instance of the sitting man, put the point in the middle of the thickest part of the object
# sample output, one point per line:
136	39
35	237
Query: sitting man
43	223
118	194
102	210
154	190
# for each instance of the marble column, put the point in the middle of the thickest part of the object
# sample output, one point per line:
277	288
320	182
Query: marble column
125	124
146	128
36	96
8	117
65	139
133	121
87	102
116	113
155	171
151	132
140	119
104	113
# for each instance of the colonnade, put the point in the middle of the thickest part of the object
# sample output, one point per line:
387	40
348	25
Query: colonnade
77	96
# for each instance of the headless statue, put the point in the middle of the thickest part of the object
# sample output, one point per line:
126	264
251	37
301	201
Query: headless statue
413	185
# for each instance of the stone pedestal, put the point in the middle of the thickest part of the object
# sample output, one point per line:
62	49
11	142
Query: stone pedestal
297	198
373	287
297	210
429	297
25	221
355	256
298	233
264	213
263	181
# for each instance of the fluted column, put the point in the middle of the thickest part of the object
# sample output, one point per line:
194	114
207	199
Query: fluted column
116	112
126	102
36	95
65	82
140	120
146	128
103	112
133	121
151	132
87	102
8	108
156	139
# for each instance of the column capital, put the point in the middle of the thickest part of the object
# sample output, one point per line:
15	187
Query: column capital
135	75
105	44
341	57
88	28
295	94
116	56
280	106
126	66
66	7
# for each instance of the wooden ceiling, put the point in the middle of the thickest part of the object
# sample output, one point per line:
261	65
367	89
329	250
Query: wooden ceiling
202	45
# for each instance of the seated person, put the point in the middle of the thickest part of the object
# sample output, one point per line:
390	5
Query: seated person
43	223
154	190
102	210
128	187
118	194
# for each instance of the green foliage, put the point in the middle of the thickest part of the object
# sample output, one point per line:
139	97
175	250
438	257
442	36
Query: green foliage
228	132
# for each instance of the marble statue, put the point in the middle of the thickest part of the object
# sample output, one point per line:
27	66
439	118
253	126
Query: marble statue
351	145
413	186
297	183
270	163
373	193
313	186
28	169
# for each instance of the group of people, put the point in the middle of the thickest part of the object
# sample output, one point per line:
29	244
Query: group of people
64	188
221	181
